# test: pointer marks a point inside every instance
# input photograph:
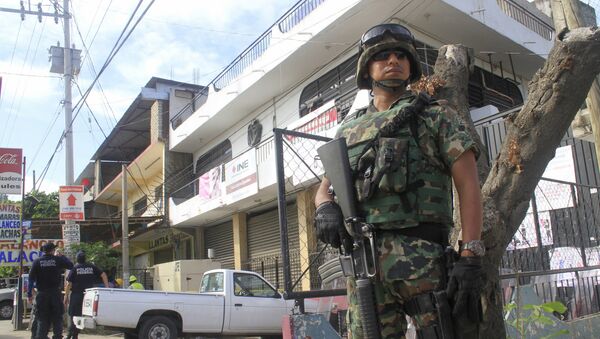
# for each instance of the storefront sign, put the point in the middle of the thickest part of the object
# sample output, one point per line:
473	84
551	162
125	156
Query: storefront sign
9	253
10	224
159	242
10	170
240	177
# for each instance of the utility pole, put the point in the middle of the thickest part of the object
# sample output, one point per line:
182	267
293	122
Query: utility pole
125	228
567	13
68	74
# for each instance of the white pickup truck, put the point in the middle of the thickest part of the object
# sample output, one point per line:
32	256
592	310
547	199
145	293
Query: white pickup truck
230	302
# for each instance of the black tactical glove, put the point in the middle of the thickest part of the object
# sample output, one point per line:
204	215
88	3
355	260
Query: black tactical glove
464	288
329	223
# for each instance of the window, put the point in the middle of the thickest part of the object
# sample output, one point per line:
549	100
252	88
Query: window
249	285
486	88
140	206
333	85
212	282
213	158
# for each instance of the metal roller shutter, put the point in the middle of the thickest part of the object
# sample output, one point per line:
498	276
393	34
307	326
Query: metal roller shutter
263	232
220	238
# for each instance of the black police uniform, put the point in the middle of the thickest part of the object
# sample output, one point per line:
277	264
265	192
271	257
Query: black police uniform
82	276
46	271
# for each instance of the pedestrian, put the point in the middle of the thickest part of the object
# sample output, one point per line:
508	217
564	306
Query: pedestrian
403	175
134	284
83	275
46	273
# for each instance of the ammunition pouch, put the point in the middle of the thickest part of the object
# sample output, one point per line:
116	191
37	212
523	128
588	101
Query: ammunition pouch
383	167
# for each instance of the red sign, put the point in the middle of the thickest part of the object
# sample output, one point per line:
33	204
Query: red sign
70	200
10	170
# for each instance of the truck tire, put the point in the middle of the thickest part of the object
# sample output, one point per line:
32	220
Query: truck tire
158	327
129	335
6	310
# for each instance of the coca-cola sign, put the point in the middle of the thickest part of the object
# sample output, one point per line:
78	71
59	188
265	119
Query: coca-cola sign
10	170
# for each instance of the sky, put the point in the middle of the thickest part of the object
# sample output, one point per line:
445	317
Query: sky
188	41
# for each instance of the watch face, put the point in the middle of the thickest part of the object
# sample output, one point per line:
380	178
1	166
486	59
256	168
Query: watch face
475	246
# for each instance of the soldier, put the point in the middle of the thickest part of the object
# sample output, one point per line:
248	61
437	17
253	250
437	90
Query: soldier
46	273
83	275
403	183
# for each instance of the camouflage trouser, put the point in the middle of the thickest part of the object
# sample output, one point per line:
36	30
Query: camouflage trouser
407	267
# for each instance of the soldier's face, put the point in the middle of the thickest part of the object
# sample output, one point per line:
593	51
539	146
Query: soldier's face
389	65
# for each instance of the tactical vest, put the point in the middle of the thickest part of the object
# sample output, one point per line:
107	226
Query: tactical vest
399	181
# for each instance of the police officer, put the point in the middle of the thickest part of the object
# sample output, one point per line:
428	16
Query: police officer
83	275
134	284
403	182
46	273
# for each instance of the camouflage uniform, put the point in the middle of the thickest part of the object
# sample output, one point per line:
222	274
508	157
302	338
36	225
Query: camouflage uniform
416	190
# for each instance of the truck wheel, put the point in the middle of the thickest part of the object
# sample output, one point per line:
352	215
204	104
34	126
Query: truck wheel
6	310
158	327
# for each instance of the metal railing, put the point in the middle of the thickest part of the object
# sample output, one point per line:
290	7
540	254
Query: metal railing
289	20
576	288
297	14
526	18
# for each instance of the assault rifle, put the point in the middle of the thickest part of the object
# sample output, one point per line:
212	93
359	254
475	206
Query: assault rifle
360	260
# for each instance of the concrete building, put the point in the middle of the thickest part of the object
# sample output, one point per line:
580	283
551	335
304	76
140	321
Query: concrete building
140	142
299	75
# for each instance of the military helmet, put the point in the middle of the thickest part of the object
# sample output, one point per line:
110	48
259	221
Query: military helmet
380	38
132	278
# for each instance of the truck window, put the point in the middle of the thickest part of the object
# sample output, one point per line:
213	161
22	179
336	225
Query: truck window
250	285
212	282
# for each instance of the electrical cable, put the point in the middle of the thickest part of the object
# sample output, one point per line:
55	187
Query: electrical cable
114	51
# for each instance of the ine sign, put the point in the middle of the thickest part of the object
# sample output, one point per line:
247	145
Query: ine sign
71	202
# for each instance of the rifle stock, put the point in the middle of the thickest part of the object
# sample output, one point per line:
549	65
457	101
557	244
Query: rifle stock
334	157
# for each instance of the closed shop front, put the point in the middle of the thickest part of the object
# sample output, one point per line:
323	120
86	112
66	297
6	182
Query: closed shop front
263	232
219	238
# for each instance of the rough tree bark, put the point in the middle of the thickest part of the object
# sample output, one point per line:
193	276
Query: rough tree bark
556	92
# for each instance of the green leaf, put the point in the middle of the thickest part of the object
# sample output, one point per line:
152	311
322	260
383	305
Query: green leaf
554	306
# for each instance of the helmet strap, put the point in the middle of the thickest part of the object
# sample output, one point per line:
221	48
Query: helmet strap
391	86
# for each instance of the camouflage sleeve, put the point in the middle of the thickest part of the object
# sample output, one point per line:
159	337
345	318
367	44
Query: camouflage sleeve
452	136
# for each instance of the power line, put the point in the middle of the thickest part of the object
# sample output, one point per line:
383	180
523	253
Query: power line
118	45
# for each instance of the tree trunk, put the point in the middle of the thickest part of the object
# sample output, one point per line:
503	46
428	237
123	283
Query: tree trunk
556	92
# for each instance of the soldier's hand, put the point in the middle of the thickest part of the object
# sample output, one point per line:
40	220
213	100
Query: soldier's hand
329	223
464	288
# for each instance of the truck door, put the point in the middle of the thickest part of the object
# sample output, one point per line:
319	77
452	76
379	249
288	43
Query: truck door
255	305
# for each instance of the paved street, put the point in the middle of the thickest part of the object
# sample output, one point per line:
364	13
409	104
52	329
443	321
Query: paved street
6	332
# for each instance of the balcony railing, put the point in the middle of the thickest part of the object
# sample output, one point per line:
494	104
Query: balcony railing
289	20
525	17
297	13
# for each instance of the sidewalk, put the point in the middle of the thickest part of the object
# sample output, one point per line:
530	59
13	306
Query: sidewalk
6	332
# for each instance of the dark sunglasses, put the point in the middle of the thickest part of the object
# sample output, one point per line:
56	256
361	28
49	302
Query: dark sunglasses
377	33
384	55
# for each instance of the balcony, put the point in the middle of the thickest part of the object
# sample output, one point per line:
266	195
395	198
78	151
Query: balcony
316	32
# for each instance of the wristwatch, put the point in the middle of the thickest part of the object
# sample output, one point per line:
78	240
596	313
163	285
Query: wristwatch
475	246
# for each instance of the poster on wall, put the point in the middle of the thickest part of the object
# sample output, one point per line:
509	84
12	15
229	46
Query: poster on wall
565	257
9	253
11	160
210	186
526	236
550	195
241	177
